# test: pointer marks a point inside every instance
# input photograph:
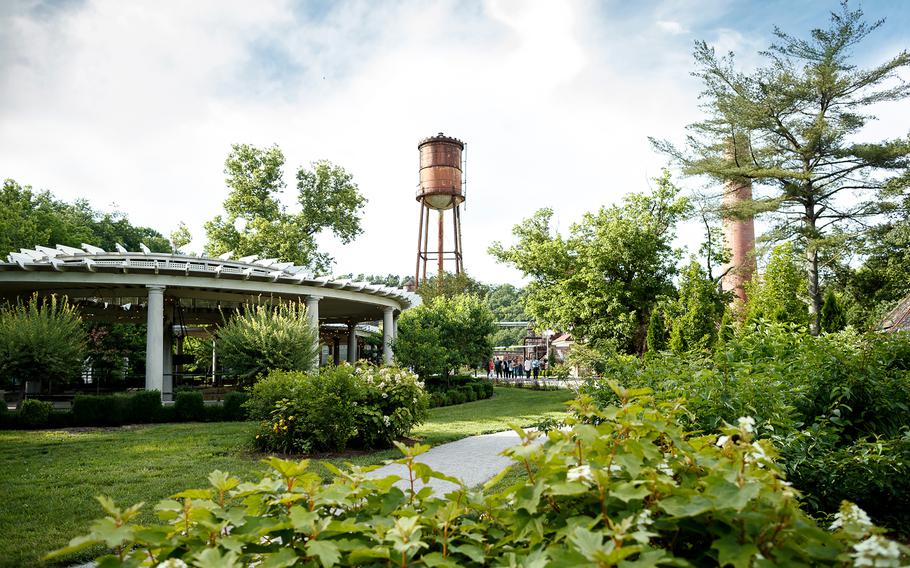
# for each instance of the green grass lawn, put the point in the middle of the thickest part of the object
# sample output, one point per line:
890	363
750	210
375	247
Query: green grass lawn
48	479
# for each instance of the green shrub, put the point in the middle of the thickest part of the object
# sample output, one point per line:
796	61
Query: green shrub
60	419
258	339
233	408
99	410
34	413
142	407
167	414
338	407
42	339
624	486
267	391
213	412
835	404
189	406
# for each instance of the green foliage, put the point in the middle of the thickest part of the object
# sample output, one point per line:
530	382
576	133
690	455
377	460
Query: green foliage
778	296
883	280
445	334
336	407
450	285
29	218
656	337
34	413
601	279
115	351
189	406
101	410
621	485
440	389
835	405
233	407
699	307
180	237
42	339
259	338
256	221
794	127
833	315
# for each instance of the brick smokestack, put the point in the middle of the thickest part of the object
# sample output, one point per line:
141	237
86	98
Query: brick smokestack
739	236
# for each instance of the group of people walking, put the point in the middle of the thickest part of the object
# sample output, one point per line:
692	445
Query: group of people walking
515	368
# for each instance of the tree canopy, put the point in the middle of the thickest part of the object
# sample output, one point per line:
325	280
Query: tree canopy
793	126
29	218
444	334
600	281
256	222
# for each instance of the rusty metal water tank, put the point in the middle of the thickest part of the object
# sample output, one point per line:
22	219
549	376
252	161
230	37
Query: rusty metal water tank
440	172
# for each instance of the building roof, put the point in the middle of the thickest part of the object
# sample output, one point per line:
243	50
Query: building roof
91	272
899	318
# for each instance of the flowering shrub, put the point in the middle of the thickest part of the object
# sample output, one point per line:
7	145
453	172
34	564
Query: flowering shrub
336	408
623	486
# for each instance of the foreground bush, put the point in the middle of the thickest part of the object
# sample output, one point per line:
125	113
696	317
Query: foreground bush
625	486
835	405
259	338
336	408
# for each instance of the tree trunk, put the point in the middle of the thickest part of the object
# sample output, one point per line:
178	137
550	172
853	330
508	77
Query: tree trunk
811	236
815	299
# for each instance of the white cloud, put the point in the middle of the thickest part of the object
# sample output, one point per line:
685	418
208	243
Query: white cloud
138	103
671	26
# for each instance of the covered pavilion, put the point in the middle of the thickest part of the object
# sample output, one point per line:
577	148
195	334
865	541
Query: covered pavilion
167	290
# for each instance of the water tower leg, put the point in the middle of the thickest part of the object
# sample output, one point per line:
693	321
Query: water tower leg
440	247
426	242
419	246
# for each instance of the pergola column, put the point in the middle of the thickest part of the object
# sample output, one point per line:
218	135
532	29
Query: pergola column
352	343
395	325
388	333
336	350
154	340
312	311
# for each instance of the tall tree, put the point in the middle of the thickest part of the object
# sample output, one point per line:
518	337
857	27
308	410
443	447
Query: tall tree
29	218
792	128
698	310
780	293
601	280
255	221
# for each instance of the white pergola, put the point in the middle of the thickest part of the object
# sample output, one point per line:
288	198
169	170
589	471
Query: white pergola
136	286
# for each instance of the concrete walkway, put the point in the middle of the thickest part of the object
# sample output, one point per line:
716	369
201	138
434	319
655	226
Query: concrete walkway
473	460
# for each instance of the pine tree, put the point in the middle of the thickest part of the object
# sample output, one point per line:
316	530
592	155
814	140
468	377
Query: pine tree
793	127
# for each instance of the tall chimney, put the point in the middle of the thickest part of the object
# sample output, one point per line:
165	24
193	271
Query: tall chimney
739	236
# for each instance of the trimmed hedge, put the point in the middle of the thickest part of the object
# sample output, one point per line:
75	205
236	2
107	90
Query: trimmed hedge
141	407
189	406
34	413
458	390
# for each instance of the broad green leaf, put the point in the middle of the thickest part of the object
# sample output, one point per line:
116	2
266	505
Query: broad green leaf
628	491
325	550
731	551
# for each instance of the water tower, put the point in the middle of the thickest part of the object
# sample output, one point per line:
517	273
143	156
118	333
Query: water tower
441	189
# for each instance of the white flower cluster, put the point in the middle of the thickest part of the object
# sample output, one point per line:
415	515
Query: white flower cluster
746	424
757	454
386	420
664	468
172	563
876	551
644	520
850	514
580	473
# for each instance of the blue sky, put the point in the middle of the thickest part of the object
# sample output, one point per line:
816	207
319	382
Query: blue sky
137	103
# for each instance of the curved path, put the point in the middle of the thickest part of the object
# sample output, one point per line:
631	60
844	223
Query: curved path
473	460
